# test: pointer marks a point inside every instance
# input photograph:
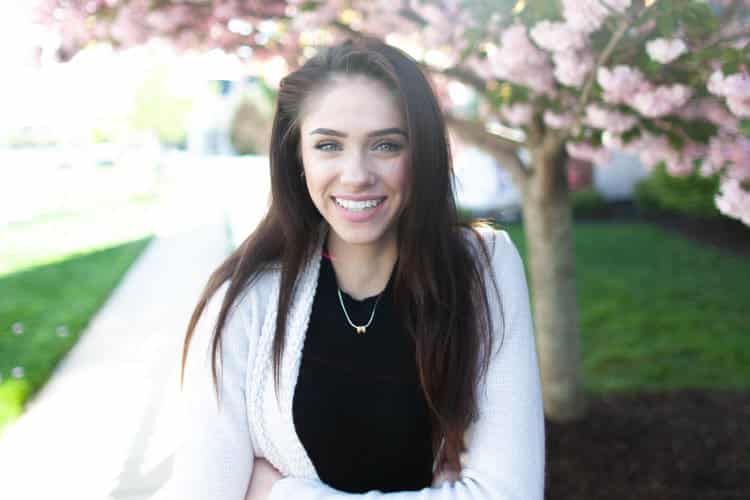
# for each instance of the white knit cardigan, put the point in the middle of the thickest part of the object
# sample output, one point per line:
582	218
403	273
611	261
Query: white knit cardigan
504	458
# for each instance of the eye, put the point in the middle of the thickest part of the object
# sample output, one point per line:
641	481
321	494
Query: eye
388	147
328	146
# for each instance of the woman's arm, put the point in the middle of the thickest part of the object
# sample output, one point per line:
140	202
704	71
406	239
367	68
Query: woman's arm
214	458
504	459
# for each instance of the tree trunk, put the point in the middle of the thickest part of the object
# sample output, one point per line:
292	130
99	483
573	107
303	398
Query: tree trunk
548	225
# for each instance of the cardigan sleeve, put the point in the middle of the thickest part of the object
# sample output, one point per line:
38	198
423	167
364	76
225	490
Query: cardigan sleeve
504	459
214	456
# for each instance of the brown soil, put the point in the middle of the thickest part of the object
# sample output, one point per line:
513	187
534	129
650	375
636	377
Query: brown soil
684	445
724	233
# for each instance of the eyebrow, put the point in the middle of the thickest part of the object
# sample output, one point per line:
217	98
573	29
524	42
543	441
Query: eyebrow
375	133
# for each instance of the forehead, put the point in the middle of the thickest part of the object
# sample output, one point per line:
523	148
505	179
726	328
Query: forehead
352	104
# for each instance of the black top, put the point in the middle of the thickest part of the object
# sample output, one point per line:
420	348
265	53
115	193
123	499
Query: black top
358	408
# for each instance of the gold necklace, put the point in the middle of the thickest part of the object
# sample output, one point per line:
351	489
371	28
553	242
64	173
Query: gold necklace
360	329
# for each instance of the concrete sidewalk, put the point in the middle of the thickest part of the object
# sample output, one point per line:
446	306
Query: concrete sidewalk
91	432
103	426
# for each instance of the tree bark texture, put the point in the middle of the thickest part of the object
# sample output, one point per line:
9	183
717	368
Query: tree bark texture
548	226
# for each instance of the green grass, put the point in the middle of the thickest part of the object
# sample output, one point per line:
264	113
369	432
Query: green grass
52	237
657	311
52	304
56	270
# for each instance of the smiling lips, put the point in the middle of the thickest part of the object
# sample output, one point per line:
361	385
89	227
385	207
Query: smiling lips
361	210
358	205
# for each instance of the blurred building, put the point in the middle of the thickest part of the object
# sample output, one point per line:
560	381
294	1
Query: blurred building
486	189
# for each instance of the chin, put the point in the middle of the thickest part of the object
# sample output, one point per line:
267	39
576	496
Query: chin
363	236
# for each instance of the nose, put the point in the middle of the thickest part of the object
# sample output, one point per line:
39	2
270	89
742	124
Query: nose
355	171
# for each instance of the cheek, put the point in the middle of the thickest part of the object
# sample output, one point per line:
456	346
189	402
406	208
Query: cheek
317	177
398	177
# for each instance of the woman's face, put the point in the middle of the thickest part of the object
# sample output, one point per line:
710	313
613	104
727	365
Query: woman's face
354	151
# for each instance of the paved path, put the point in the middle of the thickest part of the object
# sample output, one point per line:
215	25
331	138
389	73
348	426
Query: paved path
102	428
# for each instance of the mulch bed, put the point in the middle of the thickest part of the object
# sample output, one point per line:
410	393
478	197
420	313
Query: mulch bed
724	233
683	445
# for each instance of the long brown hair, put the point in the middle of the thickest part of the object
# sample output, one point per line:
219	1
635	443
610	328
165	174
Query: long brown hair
440	281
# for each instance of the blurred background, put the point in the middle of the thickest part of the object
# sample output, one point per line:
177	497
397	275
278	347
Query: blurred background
610	138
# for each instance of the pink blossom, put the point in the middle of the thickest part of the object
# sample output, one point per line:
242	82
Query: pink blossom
607	119
169	19
226	10
735	88
661	100
664	50
711	109
679	167
320	16
584	15
381	24
652	150
741	43
586	152
715	83
737	91
127	28
737	84
733	200
558	120
481	67
614	142
739	106
728	153
519	61
441	22
571	68
716	157
739	158
619	83
518	114
558	37
683	162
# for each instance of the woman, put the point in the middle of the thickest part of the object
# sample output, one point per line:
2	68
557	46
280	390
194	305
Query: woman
361	341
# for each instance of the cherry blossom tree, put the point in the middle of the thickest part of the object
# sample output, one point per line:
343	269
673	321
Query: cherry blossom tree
666	80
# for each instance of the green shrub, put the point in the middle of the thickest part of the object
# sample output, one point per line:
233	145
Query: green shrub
588	202
691	195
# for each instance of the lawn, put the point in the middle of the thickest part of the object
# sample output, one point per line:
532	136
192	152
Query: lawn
56	271
43	311
657	311
53	237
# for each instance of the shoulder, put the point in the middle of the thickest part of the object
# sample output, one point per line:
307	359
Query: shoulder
248	305
493	246
260	291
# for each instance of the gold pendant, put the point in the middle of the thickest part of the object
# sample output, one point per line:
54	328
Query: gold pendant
361	329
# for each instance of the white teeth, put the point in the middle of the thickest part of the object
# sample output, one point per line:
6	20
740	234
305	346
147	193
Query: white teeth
357	206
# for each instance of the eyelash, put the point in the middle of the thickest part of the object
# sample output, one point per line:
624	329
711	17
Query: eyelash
392	146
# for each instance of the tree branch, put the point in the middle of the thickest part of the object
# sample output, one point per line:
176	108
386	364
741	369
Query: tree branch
625	23
504	150
467	77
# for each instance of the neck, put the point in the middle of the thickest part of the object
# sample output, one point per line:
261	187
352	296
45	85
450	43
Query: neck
362	270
